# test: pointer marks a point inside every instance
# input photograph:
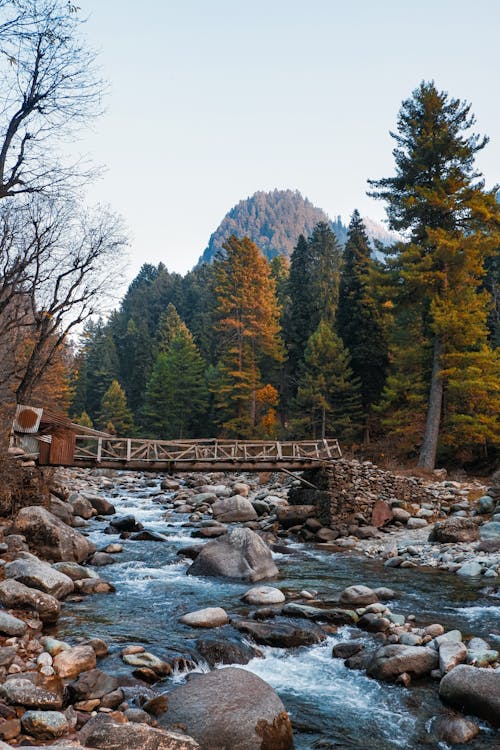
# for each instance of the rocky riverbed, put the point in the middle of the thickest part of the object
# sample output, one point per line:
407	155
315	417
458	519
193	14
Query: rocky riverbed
101	626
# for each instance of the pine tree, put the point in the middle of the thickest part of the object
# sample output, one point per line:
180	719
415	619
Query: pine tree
169	326
176	395
328	401
115	416
452	224
359	322
313	289
84	420
247	316
101	365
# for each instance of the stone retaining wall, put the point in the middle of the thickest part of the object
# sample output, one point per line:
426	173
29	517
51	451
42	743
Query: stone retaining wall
350	489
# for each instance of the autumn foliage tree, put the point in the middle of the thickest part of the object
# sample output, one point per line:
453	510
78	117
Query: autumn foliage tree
451	224
247	320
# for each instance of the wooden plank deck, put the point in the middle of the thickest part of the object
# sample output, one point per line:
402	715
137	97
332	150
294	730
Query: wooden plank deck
200	455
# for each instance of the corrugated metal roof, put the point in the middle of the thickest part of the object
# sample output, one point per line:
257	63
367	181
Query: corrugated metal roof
27	419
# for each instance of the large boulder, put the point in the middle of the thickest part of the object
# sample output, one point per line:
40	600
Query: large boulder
19	691
473	691
37	574
230	708
240	554
15	595
391	661
50	537
455	529
234	509
103	732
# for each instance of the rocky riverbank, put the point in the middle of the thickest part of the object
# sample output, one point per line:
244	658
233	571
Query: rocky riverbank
54	689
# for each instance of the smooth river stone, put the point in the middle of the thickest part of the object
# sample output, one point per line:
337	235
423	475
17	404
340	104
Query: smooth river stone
211	617
263	595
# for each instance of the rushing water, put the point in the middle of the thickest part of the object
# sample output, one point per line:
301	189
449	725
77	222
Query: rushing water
330	706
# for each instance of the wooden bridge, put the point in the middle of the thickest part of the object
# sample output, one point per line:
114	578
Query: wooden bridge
55	441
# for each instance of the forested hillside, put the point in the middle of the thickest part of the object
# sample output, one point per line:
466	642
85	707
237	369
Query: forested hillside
272	220
333	341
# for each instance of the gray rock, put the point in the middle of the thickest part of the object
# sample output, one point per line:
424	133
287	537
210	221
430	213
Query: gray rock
451	654
455	529
263	595
81	506
10	625
62	510
334	615
281	633
148	661
473	691
72	661
391	661
455	730
210	617
104	733
74	571
230	708
50	537
450	635
234	509
44	725
15	595
37	574
240	554
100	504
91	685
400	514
490	530
480	654
19	691
416	523
226	650
358	596
486	504
470	569
293	515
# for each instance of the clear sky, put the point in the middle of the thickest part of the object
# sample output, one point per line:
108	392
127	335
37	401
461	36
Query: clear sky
211	100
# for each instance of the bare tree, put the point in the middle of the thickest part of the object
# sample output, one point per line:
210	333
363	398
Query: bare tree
49	88
67	268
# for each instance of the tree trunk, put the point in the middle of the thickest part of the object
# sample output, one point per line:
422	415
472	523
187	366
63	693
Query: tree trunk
427	458
323	423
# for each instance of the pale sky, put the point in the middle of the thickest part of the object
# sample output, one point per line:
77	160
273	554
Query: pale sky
211	100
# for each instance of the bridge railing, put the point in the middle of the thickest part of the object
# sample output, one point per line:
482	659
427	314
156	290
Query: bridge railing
123	450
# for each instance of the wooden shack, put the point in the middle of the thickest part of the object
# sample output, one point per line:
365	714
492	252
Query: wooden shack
49	434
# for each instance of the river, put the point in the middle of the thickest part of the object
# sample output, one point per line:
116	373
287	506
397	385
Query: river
330	705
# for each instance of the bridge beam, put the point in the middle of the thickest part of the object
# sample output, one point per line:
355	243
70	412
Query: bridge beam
208	467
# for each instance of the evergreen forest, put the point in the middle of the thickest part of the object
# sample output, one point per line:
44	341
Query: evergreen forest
397	348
